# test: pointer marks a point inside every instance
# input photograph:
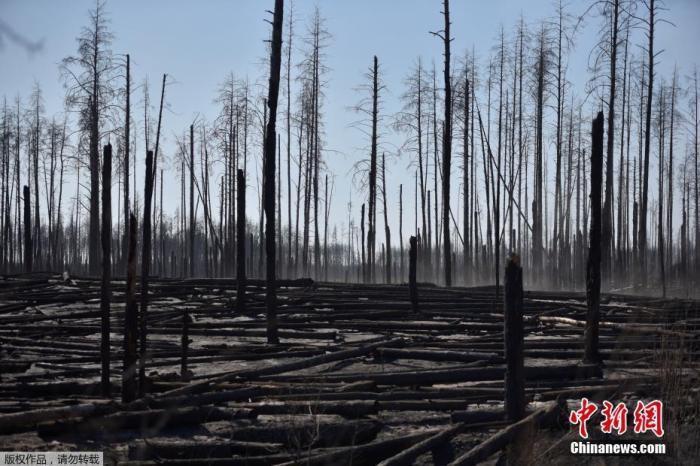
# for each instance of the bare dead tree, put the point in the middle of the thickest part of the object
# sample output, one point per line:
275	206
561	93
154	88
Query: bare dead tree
269	178
591	352
411	120
89	77
288	72
444	34
372	215
126	169
369	108
537	210
401	232
694	110
35	139
106	292
661	123
651	6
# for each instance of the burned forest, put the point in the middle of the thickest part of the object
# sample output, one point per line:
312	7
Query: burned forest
347	233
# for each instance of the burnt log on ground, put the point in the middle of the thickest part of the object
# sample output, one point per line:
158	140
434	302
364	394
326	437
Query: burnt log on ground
147	421
169	450
502	438
359	372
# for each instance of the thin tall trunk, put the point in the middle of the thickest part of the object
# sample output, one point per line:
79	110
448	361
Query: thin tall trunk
240	244
647	142
696	105
326	211
538	180
145	270
497	203
465	170
106	268
373	173
127	147
558	188
447	151
660	221
269	177
362	228
129	386
669	210
401	231
591	353
290	36
622	150
28	251
192	220
608	203
387	231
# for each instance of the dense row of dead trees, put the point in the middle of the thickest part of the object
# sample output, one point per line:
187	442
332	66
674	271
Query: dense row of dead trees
495	113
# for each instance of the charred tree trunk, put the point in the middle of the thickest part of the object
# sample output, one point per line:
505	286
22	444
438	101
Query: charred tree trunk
106	266
145	270
497	198
660	219
466	213
387	231
607	233
669	209
28	250
240	244
401	232
94	236
278	226
269	178
289	139
621	206
129	388
696	160
363	265
371	233
513	336
192	222
538	179
127	143
591	353
447	150
412	266
326	214
647	142
160	120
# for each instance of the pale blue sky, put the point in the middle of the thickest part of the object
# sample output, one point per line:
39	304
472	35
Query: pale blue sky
199	42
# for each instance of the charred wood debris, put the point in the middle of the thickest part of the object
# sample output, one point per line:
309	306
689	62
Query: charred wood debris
362	373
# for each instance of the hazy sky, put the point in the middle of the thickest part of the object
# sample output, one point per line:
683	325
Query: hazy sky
199	42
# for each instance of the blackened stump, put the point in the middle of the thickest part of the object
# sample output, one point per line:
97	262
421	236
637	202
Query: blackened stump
513	339
412	286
